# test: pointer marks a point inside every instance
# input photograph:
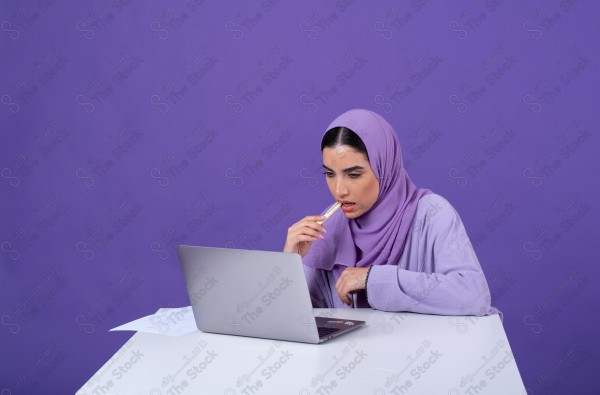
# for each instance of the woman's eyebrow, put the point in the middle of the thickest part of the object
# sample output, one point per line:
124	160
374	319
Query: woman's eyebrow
348	170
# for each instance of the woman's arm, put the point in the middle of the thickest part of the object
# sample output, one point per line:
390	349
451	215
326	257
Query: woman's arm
449	280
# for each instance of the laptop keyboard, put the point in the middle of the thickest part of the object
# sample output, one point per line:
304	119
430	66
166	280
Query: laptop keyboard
326	330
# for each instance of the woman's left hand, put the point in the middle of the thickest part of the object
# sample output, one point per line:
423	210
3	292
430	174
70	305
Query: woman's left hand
352	279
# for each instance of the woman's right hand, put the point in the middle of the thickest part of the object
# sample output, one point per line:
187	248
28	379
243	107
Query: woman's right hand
302	234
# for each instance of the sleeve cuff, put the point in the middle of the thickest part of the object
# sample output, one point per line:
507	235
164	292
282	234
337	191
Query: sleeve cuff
378	284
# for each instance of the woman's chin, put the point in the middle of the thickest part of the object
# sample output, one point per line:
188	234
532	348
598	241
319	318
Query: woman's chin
353	214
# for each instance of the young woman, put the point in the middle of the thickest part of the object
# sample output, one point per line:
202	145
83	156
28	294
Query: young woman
391	246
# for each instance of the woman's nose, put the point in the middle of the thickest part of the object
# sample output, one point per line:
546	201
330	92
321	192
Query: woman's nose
340	188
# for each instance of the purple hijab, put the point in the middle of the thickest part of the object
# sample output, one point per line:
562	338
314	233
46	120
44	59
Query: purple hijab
379	235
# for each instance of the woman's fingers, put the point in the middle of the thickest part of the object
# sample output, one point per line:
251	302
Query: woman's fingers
302	243
304	238
308	222
304	231
350	281
309	229
344	298
341	288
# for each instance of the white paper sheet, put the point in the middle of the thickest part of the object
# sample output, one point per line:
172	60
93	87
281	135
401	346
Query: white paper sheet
166	321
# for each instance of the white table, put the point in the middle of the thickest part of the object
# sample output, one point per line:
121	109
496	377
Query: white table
395	353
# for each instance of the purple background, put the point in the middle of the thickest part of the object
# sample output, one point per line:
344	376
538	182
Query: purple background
131	127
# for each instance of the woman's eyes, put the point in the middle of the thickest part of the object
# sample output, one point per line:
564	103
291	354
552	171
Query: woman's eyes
351	175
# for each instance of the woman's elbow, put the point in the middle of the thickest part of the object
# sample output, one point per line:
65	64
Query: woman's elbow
477	299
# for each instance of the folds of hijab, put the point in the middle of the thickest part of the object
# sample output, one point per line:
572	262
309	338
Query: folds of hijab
378	236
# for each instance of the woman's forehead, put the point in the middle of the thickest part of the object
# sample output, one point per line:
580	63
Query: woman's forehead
343	155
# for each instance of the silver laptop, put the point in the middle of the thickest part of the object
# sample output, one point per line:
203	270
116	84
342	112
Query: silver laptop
254	293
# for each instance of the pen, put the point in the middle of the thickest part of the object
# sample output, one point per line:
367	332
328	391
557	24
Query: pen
330	211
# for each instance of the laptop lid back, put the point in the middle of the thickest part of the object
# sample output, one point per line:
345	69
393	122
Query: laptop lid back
248	293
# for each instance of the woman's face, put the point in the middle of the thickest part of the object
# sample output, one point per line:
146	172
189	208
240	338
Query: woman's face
350	179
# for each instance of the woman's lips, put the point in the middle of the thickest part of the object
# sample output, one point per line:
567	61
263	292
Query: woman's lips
348	207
